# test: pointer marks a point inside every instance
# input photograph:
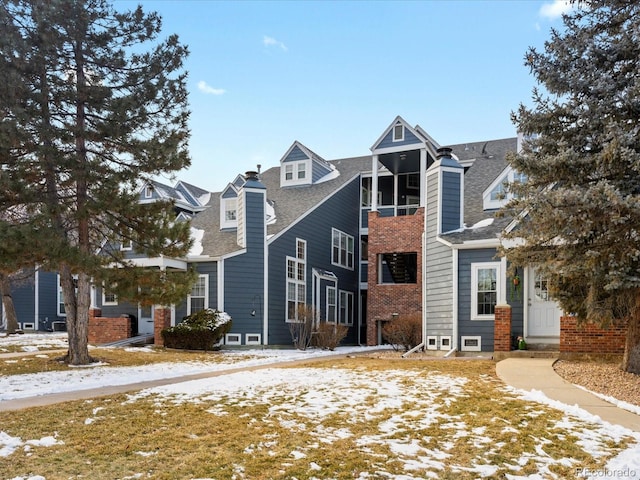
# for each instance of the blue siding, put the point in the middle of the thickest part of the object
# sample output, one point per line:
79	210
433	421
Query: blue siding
409	139
466	326
48	300
295	155
244	274
229	193
340	211
187	195
318	171
451	189
23	300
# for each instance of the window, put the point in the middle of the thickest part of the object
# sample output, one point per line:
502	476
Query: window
342	249
498	194
296	281
397	268
61	309
198	299
288	172
126	245
302	171
230	210
148	191
484	290
346	308
471	343
413	181
108	297
295	173
398	133
331	304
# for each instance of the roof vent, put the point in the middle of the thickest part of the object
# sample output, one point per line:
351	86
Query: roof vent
443	152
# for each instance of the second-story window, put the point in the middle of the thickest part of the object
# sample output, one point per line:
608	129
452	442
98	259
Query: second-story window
341	249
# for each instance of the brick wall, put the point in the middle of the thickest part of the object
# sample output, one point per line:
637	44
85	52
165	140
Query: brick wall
590	338
502	329
392	235
161	320
105	329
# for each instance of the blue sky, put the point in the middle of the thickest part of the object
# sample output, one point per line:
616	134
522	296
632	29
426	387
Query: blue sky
334	74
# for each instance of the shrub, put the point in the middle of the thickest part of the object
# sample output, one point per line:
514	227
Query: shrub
302	329
404	331
329	335
199	331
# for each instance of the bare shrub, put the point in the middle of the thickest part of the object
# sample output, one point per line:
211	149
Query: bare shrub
328	336
404	331
302	329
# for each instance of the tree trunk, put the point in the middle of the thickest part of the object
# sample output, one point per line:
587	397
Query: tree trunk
631	358
8	307
77	308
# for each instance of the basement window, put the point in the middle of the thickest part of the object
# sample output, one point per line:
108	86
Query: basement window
397	268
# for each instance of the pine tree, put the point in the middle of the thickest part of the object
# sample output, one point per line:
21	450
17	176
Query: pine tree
92	104
581	203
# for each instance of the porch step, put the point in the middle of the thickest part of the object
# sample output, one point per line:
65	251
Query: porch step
128	342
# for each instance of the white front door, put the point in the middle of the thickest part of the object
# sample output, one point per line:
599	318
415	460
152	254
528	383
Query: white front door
145	320
544	314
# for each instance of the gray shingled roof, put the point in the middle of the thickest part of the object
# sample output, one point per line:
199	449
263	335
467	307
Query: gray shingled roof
489	162
289	203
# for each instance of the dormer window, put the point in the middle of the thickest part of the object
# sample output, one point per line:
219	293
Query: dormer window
497	195
296	173
229	212
302	171
398	133
148	191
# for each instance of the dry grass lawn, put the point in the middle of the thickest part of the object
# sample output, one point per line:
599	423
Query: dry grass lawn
474	422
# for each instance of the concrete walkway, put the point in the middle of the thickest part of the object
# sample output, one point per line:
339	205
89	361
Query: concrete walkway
538	374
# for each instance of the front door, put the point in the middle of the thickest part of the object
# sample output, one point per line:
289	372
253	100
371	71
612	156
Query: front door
145	320
544	313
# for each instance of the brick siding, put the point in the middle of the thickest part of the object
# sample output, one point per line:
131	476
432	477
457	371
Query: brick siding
585	337
502	329
161	320
393	235
106	329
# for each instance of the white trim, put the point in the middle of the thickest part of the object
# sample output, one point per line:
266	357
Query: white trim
265	285
348	311
252	339
445	342
224	223
206	293
432	342
104	301
36	295
220	292
233	339
28	325
148	191
295	172
353	249
471	348
395	138
455	299
475	267
282	232
333	288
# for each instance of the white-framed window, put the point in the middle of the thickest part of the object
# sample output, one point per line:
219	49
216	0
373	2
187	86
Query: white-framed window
471	343
432	343
413	181
296	280
252	339
302	170
233	339
62	312
148	191
198	299
126	244
398	132
346	308
109	298
341	249
228	212
485	290
445	343
331	304
497	194
296	173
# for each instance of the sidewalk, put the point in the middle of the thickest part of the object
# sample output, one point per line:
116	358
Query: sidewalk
538	374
